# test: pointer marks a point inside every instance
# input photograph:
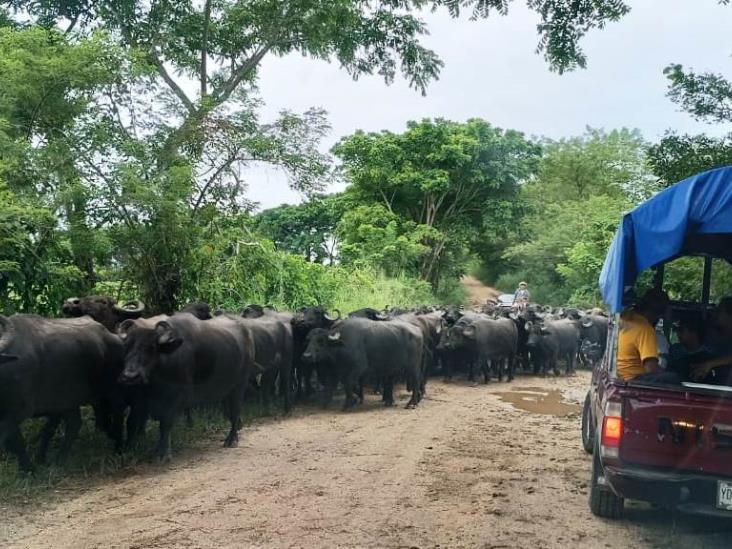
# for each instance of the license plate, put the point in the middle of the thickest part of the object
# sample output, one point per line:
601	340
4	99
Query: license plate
724	495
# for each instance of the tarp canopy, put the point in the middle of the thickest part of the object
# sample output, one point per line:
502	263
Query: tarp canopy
691	217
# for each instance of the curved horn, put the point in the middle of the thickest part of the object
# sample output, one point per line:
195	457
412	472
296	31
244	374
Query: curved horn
130	308
328	317
7	333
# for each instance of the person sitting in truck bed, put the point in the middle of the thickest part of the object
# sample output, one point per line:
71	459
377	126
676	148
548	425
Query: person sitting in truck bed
637	348
690	349
718	370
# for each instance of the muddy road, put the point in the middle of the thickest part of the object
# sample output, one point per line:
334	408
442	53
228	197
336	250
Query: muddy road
471	467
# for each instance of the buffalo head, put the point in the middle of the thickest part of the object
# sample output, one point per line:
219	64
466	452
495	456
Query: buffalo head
145	344
103	309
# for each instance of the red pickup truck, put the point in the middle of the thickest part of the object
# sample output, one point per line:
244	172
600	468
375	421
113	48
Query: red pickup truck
670	445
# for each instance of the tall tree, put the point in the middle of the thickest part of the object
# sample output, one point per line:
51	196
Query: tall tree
440	175
307	229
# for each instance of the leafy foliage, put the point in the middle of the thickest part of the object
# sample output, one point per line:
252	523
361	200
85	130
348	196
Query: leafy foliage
677	157
582	188
308	229
442	176
706	96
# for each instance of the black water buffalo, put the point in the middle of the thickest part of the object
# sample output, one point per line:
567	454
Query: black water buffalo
368	312
273	355
51	367
550	340
451	354
182	362
430	324
103	309
200	309
359	348
593	330
491	342
303	322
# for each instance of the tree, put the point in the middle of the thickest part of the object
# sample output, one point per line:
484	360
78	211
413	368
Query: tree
596	162
306	229
677	157
440	175
706	96
573	206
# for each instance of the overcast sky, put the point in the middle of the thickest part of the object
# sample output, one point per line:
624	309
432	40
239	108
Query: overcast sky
492	72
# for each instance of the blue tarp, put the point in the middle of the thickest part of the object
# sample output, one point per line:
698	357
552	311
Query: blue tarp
659	229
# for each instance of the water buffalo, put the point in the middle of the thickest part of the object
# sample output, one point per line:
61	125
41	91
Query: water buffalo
273	344
103	309
303	322
593	330
182	362
491	342
199	309
51	367
368	312
550	340
359	348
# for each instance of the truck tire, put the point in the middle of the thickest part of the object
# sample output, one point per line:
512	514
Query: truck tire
603	502
588	426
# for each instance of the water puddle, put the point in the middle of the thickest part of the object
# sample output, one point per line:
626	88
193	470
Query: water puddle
540	401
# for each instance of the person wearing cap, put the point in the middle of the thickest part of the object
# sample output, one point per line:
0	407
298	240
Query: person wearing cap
522	297
638	356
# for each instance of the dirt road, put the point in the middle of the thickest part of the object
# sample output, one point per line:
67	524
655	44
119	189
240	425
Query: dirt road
466	469
478	293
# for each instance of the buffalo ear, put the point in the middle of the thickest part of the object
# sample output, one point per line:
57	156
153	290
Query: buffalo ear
124	328
7	358
527	326
469	331
168	340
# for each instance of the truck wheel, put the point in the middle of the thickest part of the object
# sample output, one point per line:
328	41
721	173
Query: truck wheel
603	502
588	426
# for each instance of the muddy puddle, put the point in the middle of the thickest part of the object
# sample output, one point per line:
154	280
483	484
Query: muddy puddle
540	401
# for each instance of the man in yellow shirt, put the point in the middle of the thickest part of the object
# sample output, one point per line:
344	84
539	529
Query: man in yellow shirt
637	348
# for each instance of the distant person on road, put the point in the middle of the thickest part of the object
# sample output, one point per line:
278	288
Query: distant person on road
638	355
522	297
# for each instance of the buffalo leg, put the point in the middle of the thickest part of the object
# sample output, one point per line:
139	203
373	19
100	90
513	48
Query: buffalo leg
388	391
486	367
72	421
189	418
47	433
511	367
163	450
15	444
232	407
416	396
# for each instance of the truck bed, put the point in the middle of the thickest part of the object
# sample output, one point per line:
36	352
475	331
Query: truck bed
686	429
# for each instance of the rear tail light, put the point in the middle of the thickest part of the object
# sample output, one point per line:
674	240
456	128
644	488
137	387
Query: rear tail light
612	430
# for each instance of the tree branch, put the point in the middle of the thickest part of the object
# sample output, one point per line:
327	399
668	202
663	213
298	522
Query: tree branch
172	84
221	94
204	48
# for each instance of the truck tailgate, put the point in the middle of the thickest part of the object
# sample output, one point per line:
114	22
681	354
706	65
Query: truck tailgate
682	429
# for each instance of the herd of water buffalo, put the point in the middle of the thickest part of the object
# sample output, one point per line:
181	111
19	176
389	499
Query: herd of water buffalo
130	368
